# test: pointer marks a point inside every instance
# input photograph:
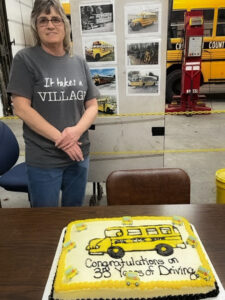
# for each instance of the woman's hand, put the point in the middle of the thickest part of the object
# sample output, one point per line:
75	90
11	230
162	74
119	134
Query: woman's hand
74	152
69	137
68	142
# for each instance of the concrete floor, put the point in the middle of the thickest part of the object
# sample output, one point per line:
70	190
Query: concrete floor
201	133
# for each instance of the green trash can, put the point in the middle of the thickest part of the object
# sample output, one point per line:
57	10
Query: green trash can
220	184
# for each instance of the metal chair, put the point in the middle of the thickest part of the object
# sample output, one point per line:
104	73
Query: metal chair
12	178
148	186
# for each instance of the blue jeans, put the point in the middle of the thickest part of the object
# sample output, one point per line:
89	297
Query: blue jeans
44	184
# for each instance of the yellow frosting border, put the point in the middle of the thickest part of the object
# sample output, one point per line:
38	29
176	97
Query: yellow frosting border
59	285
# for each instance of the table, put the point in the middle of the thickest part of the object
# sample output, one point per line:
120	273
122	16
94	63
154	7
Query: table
29	238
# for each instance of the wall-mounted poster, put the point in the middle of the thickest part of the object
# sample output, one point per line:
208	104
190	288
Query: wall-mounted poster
143	81
104	79
107	105
142	53
100	49
97	18
142	18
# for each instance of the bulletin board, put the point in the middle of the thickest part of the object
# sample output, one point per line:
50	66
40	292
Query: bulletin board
124	44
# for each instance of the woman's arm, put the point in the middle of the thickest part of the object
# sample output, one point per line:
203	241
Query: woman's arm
22	108
71	135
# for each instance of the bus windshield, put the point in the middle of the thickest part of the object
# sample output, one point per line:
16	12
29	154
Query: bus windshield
177	22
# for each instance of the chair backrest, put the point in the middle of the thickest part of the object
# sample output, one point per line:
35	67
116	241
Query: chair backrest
9	148
148	186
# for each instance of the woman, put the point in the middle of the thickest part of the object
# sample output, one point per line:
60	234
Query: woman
53	93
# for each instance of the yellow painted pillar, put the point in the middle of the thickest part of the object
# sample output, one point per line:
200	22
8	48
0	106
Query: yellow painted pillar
220	184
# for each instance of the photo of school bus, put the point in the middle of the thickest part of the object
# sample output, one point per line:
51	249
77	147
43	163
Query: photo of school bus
103	79
143	81
143	53
213	52
98	50
92	16
95	16
106	105
119	240
142	20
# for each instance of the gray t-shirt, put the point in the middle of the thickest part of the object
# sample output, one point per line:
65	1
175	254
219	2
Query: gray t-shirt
58	88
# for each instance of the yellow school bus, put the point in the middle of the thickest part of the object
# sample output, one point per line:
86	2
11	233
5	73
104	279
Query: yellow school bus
142	20
66	6
103	79
213	54
142	82
99	49
121	239
106	106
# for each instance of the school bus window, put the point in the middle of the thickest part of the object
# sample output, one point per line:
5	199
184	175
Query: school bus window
134	232
220	30
113	233
165	230
208	17
177	23
151	231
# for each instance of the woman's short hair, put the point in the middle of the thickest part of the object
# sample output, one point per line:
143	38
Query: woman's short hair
41	6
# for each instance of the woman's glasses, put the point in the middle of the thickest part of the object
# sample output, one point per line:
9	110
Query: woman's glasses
43	21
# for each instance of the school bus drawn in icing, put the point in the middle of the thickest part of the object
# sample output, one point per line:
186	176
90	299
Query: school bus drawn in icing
121	239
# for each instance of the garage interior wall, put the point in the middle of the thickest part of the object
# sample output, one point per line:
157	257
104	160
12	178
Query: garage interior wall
18	13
